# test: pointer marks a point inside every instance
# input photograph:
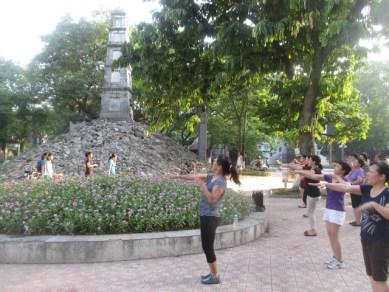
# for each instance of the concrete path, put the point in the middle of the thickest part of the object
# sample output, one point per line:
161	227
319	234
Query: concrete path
283	260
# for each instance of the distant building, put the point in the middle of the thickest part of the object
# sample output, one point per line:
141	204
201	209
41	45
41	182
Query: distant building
271	154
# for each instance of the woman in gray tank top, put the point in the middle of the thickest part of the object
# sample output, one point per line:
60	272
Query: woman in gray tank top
213	185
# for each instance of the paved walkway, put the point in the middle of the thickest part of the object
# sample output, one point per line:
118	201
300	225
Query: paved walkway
283	260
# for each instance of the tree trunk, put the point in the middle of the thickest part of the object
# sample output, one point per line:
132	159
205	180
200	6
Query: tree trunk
202	144
307	130
239	142
243	148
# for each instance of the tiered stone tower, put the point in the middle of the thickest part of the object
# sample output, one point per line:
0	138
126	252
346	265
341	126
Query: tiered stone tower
116	97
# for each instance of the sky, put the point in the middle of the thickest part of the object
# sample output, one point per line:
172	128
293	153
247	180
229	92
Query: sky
23	22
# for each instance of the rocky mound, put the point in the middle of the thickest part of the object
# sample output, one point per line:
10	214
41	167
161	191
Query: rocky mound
153	154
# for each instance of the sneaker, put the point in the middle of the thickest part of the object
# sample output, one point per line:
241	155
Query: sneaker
330	260
203	277
335	265
211	280
305	216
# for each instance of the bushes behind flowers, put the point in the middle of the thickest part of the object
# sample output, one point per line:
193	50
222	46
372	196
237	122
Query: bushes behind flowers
106	205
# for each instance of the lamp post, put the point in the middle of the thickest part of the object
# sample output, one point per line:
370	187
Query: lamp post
342	147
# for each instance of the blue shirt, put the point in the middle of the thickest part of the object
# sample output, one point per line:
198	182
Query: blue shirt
374	227
206	208
112	167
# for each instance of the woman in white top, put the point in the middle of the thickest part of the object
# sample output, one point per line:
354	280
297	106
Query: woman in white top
240	162
48	166
48	170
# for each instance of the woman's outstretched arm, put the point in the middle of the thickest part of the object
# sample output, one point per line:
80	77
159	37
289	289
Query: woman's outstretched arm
191	177
339	187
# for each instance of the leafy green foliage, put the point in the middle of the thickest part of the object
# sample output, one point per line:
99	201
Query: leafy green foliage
104	205
70	69
22	115
373	83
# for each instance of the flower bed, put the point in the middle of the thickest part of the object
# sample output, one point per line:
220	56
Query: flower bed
106	205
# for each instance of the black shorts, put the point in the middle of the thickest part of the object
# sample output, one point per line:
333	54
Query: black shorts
355	200
376	257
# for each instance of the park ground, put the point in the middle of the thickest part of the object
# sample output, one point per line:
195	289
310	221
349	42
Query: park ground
283	260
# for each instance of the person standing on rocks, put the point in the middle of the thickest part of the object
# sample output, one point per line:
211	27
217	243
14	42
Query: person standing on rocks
48	170
89	165
213	186
40	166
112	164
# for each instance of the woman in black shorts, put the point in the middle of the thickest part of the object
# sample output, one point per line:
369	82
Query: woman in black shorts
375	222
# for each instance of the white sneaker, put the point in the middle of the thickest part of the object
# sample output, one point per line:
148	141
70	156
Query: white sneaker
330	260
335	265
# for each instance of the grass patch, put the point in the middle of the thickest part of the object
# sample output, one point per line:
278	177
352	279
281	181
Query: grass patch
255	172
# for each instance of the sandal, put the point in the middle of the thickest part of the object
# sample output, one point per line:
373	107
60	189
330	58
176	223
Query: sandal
306	233
355	224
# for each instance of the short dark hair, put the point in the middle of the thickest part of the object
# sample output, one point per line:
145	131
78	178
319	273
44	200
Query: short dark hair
382	169
345	167
365	156
88	153
361	162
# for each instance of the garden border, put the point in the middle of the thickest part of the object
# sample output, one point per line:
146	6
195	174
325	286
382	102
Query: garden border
64	249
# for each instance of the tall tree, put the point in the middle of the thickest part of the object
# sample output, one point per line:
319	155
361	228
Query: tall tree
172	66
22	115
373	84
294	41
71	67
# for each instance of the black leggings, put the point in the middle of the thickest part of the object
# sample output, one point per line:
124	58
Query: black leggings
208	225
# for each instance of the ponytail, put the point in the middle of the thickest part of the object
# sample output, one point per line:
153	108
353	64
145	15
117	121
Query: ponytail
234	175
111	156
228	168
317	161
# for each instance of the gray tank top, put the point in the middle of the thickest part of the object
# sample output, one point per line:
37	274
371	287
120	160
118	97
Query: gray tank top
206	208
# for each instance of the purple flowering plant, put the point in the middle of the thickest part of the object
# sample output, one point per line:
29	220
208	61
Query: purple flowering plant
107	205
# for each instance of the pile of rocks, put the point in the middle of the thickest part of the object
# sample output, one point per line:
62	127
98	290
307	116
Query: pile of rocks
151	154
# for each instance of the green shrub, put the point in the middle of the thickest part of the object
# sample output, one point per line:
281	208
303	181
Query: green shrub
106	205
255	172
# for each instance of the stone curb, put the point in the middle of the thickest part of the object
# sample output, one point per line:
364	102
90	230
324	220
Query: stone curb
64	249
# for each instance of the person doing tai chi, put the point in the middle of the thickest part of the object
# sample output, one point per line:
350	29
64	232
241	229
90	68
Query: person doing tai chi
334	213
375	222
213	186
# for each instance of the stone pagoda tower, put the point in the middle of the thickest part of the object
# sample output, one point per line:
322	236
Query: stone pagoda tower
116	96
